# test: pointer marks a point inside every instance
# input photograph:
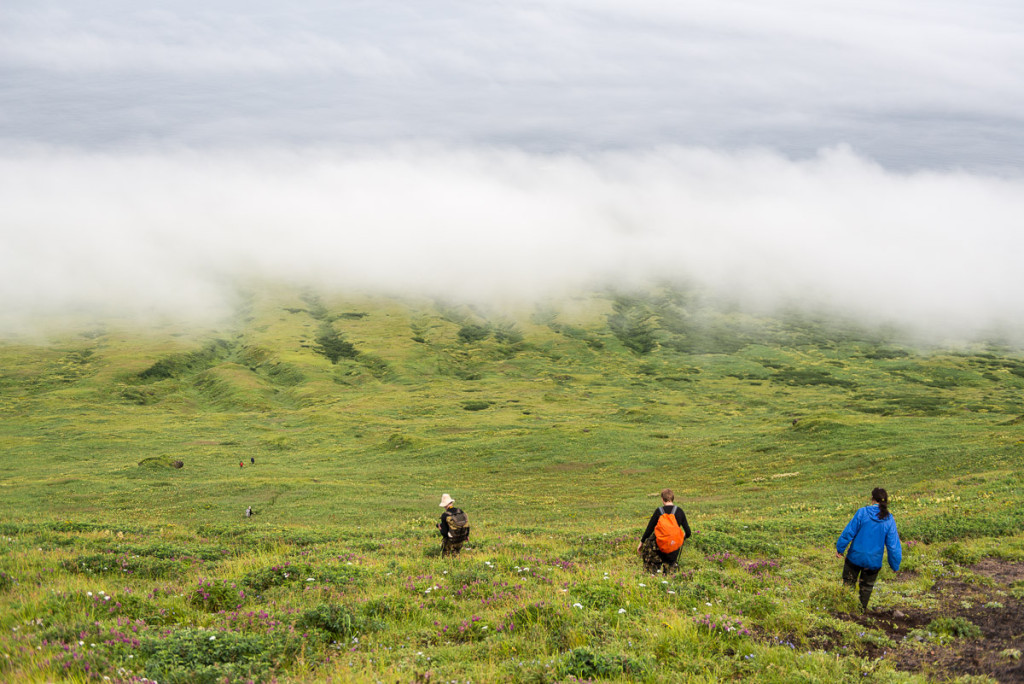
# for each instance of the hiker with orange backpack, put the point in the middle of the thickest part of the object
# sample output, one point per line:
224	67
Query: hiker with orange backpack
667	530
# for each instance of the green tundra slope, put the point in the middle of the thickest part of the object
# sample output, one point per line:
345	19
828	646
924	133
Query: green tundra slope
554	426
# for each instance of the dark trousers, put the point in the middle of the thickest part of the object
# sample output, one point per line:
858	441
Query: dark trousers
450	547
867	580
653	558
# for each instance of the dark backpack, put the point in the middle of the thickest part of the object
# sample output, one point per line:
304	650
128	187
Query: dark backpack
458	525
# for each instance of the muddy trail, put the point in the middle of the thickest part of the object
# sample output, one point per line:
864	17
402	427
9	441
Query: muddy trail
985	599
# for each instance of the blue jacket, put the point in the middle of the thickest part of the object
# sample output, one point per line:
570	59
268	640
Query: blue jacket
871	536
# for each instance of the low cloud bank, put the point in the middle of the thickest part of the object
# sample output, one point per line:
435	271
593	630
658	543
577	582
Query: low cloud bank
170	232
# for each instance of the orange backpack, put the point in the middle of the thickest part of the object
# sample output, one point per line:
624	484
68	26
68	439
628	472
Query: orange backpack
667	532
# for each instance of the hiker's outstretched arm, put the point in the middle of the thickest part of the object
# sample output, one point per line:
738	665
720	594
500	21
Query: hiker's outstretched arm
650	527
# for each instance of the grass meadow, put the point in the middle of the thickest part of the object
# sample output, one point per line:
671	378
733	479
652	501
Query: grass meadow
554	427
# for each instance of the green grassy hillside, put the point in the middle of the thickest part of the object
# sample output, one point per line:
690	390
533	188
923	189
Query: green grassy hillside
554	427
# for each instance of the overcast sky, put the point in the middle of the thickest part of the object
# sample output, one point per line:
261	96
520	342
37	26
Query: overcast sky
870	153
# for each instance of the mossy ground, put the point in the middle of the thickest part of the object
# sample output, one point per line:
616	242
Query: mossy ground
554	428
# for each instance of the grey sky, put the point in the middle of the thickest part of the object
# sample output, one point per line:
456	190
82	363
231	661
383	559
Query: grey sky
867	155
909	84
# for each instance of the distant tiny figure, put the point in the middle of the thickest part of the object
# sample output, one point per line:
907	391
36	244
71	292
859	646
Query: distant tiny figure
252	460
248	512
454	527
241	464
871	532
663	539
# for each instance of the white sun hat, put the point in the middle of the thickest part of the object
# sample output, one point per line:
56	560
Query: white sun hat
446	501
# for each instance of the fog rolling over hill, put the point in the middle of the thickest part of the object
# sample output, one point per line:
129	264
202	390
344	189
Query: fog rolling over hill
174	232
861	157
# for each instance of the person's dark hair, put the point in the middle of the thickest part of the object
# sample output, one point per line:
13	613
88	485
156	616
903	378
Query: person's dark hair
881	497
667	495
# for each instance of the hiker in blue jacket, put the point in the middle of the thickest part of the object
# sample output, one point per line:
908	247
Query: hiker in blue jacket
871	532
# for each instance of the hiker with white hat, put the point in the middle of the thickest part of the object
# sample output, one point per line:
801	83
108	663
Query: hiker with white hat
454	527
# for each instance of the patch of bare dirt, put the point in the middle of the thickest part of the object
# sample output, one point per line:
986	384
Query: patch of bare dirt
992	608
1002	571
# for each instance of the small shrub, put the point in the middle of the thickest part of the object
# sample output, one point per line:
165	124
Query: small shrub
203	657
341	576
275	576
956	626
757	606
214	596
835	598
471	332
69	631
944	629
586	664
397	442
597	596
475	405
960	555
337	621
